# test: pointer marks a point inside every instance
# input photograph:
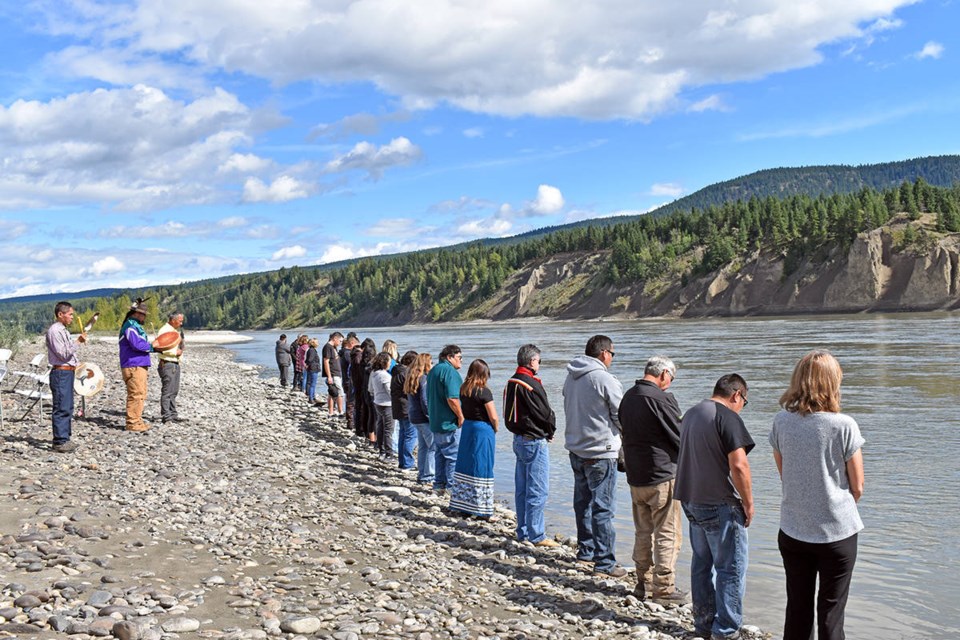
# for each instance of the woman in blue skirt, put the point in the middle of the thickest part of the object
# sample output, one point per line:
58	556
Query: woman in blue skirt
472	489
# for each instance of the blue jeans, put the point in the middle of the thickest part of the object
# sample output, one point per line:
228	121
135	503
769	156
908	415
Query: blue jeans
407	441
594	485
312	384
447	444
426	453
532	483
61	388
718	569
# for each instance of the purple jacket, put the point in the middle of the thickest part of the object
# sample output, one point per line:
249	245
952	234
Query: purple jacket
135	349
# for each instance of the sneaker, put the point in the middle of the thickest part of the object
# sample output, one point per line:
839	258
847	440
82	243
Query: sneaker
440	492
65	447
673	597
548	543
616	572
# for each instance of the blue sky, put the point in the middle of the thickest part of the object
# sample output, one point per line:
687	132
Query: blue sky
160	141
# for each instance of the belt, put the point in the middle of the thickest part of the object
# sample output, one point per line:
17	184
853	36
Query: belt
64	367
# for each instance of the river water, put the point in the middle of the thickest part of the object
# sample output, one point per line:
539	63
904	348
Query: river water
899	384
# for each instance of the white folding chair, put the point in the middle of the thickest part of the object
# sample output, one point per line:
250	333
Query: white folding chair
35	373
4	358
40	390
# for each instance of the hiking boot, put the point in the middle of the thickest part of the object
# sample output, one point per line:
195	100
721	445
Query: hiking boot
65	447
615	572
547	543
673	597
140	428
640	592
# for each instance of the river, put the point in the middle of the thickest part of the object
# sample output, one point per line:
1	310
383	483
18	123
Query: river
898	384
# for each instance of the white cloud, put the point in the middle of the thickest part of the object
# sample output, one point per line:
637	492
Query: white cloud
670	189
396	228
232	222
130	149
930	50
364	156
710	103
105	266
549	200
631	60
473	132
485	228
245	163
288	253
364	124
283	189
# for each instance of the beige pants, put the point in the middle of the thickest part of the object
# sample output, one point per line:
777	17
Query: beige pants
136	380
659	533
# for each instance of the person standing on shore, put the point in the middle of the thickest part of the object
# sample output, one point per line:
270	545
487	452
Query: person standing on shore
300	361
62	357
135	352
349	393
818	454
528	416
415	386
446	414
333	373
168	366
297	364
406	434
650	418
591	400
472	488
284	361
311	369
713	485
379	387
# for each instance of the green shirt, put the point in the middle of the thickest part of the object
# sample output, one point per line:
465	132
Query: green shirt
443	382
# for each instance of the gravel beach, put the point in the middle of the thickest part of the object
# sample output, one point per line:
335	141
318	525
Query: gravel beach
260	516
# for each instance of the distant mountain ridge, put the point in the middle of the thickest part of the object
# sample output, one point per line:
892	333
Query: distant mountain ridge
782	182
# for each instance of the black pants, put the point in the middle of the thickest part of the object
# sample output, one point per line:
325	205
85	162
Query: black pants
804	562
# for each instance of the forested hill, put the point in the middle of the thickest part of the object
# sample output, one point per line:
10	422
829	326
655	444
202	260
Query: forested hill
895	249
941	171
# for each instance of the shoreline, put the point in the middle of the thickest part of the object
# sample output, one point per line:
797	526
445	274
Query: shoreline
260	516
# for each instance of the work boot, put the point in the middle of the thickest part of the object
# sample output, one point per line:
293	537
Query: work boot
65	447
139	428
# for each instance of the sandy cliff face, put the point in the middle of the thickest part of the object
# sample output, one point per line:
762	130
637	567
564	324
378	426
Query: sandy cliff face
872	275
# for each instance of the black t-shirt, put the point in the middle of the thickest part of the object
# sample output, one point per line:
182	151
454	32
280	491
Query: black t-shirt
330	353
708	433
474	406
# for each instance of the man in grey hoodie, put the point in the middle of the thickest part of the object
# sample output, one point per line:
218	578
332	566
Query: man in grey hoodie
591	401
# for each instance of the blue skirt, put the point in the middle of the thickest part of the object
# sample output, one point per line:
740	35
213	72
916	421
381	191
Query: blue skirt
472	488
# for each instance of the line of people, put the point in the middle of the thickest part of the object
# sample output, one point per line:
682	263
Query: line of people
694	461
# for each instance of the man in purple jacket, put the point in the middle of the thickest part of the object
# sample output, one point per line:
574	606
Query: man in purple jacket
135	351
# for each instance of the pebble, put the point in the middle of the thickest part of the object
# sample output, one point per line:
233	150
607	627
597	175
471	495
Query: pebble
180	624
261	518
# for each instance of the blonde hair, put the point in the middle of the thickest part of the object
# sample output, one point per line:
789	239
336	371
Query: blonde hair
389	346
313	342
420	367
815	385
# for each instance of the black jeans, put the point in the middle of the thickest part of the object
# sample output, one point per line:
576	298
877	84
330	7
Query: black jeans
803	562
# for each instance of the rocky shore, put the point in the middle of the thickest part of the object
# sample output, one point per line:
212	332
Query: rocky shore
260	516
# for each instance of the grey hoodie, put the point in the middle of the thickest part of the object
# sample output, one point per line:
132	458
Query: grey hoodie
591	400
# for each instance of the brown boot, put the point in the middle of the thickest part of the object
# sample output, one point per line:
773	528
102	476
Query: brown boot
140	428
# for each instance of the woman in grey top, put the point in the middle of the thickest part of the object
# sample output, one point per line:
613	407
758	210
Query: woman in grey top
817	450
